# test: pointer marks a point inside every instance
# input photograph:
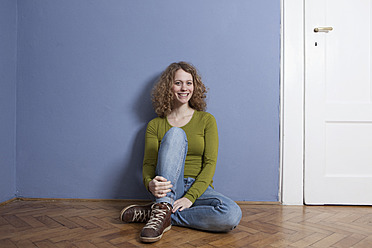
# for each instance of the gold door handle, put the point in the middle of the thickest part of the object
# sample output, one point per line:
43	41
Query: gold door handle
323	29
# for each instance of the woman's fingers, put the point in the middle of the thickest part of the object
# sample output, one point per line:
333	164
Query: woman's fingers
177	207
160	178
181	204
163	187
161	193
160	186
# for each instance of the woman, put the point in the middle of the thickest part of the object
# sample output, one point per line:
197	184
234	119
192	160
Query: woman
180	157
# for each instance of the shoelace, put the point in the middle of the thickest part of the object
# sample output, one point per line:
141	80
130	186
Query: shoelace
157	216
141	215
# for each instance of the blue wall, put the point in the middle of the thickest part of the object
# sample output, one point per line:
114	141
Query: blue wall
8	39
85	71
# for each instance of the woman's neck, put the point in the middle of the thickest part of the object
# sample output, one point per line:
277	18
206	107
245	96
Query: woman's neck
179	117
181	111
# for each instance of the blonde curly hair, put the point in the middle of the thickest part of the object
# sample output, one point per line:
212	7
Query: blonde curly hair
162	97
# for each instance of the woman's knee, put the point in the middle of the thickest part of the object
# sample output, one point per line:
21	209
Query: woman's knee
232	217
228	217
175	133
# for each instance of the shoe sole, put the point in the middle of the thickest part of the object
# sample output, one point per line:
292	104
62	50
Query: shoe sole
154	239
126	208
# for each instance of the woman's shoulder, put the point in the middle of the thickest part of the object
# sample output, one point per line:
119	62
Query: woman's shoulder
202	115
154	125
156	121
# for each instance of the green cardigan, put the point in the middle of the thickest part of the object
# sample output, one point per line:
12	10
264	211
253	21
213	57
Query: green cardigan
201	158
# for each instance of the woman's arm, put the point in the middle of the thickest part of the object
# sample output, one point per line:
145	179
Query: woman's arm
157	185
204	178
150	154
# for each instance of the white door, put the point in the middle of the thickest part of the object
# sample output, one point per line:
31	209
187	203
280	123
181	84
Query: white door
338	102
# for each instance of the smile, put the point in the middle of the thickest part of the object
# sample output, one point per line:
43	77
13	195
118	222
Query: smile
183	94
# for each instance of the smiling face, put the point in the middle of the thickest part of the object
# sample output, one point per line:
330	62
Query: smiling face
183	87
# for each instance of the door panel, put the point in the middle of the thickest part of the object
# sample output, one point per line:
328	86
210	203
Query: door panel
338	102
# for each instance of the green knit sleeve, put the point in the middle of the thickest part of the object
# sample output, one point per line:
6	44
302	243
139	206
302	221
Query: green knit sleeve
150	154
205	177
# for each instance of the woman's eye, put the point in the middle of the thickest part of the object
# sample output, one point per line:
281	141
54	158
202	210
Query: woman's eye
189	83
177	83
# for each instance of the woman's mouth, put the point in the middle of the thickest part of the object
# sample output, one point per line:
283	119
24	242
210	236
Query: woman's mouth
183	94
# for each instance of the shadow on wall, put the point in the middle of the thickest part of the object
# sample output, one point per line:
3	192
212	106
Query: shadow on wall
129	184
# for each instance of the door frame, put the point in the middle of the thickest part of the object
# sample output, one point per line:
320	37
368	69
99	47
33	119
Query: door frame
292	102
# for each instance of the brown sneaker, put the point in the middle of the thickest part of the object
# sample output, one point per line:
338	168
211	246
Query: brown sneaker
136	213
160	222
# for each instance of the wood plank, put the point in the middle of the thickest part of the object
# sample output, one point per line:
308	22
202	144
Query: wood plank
329	241
83	222
65	222
32	221
47	221
7	243
349	241
15	221
25	243
44	244
309	240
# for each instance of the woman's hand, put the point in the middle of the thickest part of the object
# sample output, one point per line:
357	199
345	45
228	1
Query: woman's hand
181	204
160	186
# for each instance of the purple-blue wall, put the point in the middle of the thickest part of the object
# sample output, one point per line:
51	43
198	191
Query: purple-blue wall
8	44
85	71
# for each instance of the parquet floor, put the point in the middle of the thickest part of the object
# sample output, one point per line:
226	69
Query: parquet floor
96	224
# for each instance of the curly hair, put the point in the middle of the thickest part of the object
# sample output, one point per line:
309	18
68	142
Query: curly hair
162	97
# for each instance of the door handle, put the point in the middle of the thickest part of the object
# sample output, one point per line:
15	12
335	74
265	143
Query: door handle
323	29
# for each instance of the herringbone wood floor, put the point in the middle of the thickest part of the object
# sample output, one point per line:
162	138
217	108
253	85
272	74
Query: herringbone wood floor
96	224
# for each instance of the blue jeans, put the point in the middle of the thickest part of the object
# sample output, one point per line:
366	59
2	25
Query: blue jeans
212	211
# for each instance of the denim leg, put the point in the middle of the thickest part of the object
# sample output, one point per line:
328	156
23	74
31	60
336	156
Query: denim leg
171	162
212	211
